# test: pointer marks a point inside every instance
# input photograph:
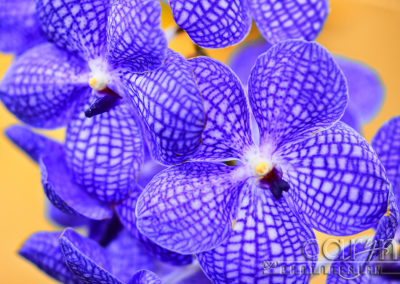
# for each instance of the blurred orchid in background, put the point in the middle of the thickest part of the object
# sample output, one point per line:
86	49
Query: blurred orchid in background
19	26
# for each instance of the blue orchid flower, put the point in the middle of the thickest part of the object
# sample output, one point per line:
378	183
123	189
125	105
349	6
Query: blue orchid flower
116	50
63	189
366	90
19	26
304	170
220	23
71	258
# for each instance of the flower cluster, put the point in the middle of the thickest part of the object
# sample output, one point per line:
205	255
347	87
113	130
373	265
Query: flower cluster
178	173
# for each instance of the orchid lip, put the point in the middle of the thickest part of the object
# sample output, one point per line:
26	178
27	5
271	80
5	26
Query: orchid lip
102	105
274	181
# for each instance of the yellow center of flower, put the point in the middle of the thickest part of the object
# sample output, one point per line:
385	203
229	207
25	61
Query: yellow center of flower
263	168
98	84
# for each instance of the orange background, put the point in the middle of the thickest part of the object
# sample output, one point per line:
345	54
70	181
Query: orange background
367	30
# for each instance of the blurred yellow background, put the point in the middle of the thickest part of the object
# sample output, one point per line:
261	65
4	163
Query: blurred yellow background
366	30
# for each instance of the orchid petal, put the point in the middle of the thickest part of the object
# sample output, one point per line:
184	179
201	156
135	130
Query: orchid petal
171	107
86	259
266	232
188	208
213	23
295	89
19	27
289	19
135	38
105	152
336	180
43	250
126	214
63	192
227	133
43	86
33	144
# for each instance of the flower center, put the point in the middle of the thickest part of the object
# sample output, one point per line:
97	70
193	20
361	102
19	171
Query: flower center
100	74
270	177
98	83
263	168
273	181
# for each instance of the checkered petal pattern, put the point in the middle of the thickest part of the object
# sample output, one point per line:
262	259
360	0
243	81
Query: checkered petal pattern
105	152
127	256
213	23
145	277
19	26
336	180
365	87
386	143
34	145
63	192
43	250
266	231
227	133
126	214
188	208
43	85
171	106
295	89
135	38
86	259
289	19
366	90
76	25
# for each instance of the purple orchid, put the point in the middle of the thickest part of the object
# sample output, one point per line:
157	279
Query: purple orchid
71	258
220	23
116	50
366	90
19	26
304	170
93	197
